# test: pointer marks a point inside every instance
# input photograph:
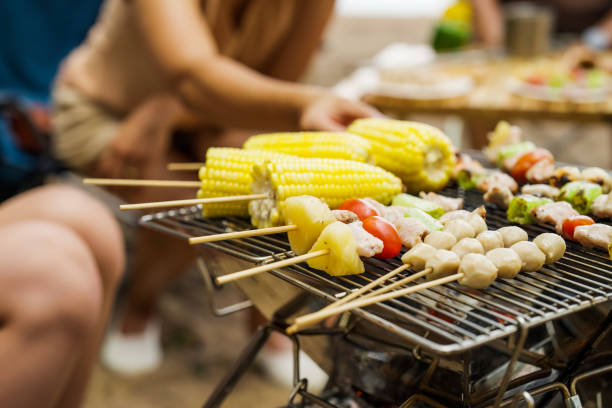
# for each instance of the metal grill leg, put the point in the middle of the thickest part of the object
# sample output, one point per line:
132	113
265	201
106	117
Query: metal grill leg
517	352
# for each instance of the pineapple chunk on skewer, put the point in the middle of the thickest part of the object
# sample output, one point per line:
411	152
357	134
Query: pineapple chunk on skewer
311	215
343	258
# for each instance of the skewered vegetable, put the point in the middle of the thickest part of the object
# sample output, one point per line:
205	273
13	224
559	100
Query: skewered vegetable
419	254
386	232
514	150
507	261
570	224
440	240
478	271
527	160
552	245
333	181
428	221
468	180
520	207
512	235
531	257
490	240
410	201
362	208
343	258
330	145
421	155
311	215
228	172
580	194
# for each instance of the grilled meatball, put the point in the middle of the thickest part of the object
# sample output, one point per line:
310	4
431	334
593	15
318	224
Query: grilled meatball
468	246
417	257
490	240
552	245
460	229
532	258
442	263
477	223
512	235
479	272
507	261
441	239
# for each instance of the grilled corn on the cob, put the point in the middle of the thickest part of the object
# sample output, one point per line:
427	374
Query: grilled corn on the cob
228	172
330	145
331	180
419	154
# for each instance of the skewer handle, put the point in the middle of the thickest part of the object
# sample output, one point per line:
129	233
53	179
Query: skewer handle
316	317
141	183
185	166
271	266
194	201
242	234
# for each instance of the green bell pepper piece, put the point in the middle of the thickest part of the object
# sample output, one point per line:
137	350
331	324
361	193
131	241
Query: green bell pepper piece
410	201
513	150
468	180
580	194
430	222
520	207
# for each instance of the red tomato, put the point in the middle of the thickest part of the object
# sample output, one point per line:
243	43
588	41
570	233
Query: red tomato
570	224
360	207
535	80
527	160
386	232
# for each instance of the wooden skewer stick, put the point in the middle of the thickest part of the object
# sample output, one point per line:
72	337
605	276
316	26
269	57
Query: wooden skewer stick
194	201
271	266
313	318
242	234
185	166
141	183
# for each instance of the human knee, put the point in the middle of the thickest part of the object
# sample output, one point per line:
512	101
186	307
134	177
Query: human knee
56	276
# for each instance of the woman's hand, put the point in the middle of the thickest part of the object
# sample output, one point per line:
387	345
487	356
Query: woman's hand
329	112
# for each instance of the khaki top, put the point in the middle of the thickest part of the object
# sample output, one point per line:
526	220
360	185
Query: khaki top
114	67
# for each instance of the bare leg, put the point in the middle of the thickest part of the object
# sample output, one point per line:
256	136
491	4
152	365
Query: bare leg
96	227
50	297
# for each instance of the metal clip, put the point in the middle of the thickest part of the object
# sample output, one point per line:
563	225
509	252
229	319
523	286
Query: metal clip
300	386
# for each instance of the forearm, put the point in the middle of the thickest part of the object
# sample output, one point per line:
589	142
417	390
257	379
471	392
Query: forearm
229	94
488	22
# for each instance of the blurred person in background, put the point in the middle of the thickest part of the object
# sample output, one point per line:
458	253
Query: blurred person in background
591	19
61	259
159	81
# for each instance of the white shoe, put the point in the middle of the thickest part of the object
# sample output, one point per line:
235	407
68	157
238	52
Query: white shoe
278	366
133	354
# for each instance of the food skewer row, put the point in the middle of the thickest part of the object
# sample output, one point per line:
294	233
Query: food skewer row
442	266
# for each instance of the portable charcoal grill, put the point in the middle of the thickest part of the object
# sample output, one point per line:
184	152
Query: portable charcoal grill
460	346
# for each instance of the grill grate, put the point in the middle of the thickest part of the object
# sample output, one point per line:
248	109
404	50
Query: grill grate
447	319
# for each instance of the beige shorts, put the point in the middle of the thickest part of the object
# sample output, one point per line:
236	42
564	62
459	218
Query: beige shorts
82	128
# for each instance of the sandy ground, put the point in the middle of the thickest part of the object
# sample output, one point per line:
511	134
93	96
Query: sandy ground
200	347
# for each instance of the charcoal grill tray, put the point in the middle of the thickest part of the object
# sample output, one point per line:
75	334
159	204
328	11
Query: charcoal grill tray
444	320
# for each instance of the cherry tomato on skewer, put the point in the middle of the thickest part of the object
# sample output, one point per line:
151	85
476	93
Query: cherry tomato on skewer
527	160
386	232
362	208
570	224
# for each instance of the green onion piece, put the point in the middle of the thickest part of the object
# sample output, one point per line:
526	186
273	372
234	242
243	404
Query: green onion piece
430	222
410	201
512	150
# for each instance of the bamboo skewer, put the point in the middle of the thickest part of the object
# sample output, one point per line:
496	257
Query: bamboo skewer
141	183
193	201
186	166
313	318
271	266
242	234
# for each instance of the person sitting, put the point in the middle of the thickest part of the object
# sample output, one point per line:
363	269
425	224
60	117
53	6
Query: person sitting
61	260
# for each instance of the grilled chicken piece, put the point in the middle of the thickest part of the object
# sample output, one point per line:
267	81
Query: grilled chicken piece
345	216
554	213
602	206
595	235
500	196
465	162
497	179
595	175
410	230
564	175
540	172
367	244
447	203
540	190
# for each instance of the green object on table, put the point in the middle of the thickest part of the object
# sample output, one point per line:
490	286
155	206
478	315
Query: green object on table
557	81
451	35
410	201
595	78
512	150
430	222
580	194
520	207
468	180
